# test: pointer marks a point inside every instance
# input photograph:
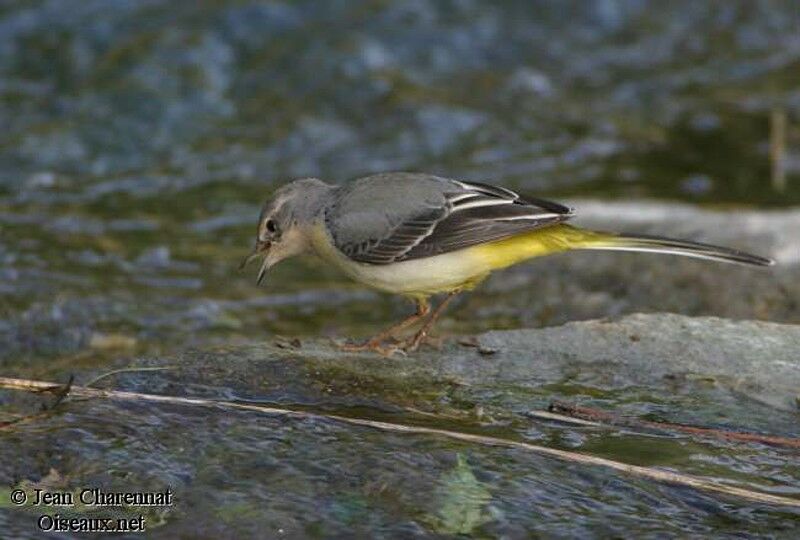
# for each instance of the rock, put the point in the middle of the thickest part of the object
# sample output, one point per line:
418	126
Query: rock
757	360
748	359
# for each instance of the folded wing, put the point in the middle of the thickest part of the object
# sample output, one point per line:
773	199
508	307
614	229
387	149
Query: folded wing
466	214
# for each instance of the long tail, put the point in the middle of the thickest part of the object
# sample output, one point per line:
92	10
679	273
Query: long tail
657	244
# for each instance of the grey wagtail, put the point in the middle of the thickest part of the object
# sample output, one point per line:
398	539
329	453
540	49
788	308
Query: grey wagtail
418	235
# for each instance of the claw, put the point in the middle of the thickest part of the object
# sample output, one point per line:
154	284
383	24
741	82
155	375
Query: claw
400	347
417	340
379	347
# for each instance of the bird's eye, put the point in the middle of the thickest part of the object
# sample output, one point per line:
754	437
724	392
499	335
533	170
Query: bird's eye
271	227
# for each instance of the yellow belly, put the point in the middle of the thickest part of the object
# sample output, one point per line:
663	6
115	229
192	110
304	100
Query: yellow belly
456	270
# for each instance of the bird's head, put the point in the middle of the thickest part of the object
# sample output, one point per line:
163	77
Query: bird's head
283	224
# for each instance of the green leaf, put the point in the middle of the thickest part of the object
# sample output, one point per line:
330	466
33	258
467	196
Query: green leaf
462	501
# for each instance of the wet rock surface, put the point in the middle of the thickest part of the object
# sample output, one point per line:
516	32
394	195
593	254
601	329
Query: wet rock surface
242	472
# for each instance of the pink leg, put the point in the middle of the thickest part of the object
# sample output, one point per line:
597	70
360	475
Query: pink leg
414	343
378	342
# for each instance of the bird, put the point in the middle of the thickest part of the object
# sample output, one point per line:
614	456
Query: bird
419	235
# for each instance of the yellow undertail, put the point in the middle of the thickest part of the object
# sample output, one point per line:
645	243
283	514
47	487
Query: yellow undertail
558	238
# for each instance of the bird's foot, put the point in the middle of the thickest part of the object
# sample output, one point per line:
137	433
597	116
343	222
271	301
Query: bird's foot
419	339
390	346
379	346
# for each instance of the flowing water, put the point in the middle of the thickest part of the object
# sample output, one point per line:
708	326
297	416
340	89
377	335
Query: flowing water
138	140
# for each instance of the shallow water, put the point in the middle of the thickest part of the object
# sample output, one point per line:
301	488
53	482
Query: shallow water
247	473
139	139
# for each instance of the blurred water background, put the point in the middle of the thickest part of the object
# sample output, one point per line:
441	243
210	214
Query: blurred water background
138	139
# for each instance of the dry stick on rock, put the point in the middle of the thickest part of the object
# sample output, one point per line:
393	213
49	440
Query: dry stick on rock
564	419
125	370
588	416
564	455
19	419
59	390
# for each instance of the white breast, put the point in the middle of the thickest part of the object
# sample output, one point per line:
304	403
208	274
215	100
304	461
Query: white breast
425	276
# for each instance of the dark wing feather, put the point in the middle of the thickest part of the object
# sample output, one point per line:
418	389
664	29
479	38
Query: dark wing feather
403	238
471	214
480	225
497	191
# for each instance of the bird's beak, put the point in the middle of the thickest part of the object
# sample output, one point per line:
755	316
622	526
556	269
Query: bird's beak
263	272
260	249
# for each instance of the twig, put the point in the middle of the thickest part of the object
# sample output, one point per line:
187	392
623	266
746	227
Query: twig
60	391
125	370
564	455
564	412
17	419
547	415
